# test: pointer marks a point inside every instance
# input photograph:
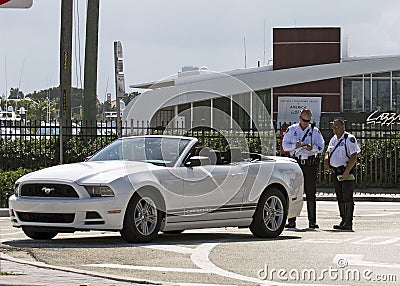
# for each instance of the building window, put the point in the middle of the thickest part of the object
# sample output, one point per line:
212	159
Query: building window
222	113
262	109
352	95
396	96
202	114
382	74
396	73
241	111
380	94
184	112
367	95
162	117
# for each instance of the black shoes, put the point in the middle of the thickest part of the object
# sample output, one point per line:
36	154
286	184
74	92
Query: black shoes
338	226
291	224
343	226
347	227
346	213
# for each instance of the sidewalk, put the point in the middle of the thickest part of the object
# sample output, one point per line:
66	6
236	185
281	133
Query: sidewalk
21	272
362	195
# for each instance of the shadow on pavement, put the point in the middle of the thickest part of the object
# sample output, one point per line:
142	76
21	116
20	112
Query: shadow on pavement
111	241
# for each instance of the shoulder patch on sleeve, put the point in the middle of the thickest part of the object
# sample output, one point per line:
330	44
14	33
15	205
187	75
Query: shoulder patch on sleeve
353	140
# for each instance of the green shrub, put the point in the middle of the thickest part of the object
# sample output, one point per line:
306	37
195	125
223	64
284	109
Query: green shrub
7	180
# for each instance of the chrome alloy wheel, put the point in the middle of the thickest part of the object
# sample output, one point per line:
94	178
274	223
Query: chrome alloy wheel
145	216
273	213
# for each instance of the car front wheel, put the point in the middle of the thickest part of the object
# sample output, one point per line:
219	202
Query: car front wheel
270	216
38	234
142	219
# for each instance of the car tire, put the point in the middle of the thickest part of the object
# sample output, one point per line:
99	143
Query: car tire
143	218
38	234
270	215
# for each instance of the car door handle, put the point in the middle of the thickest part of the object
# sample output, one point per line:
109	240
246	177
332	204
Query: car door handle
237	174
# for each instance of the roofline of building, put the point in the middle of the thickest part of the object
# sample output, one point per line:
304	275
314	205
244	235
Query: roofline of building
237	72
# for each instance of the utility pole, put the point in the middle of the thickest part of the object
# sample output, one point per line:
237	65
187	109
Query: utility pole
90	77
65	73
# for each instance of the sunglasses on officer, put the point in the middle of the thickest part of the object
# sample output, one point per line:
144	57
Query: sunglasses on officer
305	120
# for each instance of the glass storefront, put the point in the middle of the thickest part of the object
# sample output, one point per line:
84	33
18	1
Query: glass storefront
361	93
370	92
354	89
227	112
262	109
396	95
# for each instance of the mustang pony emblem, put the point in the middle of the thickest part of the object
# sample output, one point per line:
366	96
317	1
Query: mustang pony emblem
47	190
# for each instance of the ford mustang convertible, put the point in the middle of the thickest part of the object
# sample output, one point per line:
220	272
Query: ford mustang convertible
144	185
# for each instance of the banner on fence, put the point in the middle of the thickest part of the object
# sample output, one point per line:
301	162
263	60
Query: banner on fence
289	108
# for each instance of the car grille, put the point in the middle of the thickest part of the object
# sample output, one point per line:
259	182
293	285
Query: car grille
46	217
48	191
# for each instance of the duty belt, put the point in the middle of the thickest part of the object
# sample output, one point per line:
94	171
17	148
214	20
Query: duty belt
311	160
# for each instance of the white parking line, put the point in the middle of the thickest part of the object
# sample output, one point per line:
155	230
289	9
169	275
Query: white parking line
201	259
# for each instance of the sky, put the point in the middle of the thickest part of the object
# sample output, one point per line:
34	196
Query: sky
159	37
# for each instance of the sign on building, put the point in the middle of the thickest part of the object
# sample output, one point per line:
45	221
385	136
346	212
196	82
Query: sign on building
289	109
16	3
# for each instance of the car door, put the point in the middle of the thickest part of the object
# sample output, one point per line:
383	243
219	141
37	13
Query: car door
213	191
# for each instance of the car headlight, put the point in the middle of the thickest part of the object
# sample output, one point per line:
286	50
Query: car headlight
16	186
99	191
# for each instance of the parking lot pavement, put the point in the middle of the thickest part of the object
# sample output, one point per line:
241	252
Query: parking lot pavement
20	272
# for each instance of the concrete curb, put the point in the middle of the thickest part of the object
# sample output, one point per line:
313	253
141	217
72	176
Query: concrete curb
4	212
79	271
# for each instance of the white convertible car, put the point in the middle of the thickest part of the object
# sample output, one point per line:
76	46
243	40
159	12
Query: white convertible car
142	185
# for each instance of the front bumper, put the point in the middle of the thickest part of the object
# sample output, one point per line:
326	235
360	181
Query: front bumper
82	213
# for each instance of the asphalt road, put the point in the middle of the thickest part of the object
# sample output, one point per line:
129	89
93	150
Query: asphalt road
231	256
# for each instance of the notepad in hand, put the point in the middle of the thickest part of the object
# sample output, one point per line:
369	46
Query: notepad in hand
350	178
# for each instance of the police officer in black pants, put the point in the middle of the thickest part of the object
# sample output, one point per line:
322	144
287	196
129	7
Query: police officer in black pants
305	142
341	157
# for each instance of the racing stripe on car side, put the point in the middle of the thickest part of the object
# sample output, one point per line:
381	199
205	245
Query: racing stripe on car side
212	209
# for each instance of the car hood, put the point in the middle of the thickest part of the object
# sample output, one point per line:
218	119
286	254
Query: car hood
99	172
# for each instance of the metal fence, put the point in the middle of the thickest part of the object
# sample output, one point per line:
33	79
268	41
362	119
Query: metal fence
36	145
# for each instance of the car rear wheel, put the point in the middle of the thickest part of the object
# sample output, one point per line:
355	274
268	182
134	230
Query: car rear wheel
38	234
142	219
270	216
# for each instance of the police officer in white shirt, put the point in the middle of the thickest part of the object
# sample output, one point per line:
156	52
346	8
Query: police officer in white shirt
341	157
305	142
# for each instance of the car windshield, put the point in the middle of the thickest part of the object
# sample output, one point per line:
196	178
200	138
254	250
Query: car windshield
160	151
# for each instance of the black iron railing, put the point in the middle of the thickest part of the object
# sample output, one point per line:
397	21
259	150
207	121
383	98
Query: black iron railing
36	145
